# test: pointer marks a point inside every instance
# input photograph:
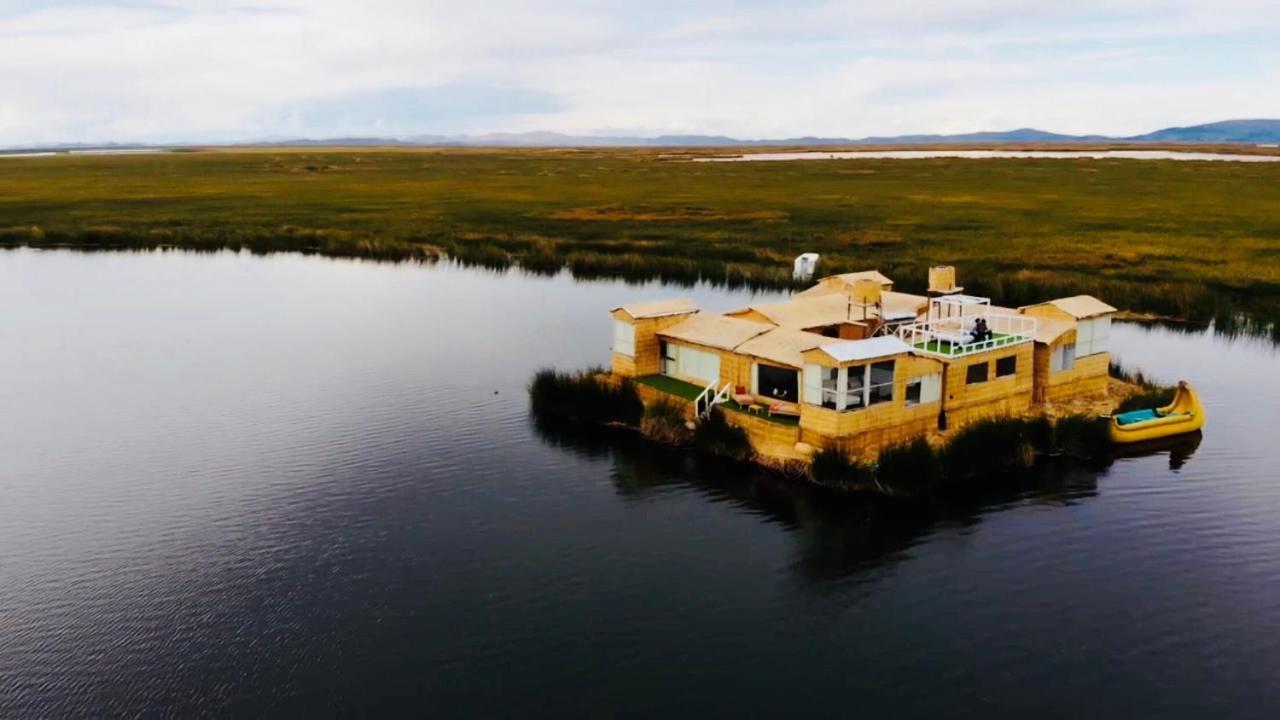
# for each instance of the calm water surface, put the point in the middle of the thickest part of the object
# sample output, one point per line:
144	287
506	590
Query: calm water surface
291	485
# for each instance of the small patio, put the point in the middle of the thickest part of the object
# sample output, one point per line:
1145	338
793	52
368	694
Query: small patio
952	328
690	392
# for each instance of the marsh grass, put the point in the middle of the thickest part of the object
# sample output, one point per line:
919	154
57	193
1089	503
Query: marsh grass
979	456
910	469
989	448
1198	241
1150	397
585	397
833	468
714	435
664	421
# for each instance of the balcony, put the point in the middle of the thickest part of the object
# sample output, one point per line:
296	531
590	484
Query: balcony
952	337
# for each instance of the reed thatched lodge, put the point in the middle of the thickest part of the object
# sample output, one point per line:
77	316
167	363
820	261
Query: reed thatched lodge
854	364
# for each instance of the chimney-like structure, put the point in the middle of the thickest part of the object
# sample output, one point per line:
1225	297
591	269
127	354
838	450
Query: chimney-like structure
864	294
942	280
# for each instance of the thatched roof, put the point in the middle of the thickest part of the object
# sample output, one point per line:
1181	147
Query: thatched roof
805	312
1080	307
896	302
784	346
715	331
658	308
1050	329
853	277
840	283
832	308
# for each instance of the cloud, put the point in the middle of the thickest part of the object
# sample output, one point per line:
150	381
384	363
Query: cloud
173	70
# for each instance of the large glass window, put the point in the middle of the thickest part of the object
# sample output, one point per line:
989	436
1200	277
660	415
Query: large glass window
880	382
777	382
701	365
851	388
830	386
857	384
624	338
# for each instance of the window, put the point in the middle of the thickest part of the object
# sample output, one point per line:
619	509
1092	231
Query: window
880	383
698	364
924	389
977	373
850	388
912	395
857	383
1092	336
1063	358
820	385
624	338
830	385
1006	366
777	382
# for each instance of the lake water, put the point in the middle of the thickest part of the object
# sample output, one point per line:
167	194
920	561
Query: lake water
86	151
293	485
990	154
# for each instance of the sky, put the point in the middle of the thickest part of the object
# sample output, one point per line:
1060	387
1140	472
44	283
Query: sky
194	71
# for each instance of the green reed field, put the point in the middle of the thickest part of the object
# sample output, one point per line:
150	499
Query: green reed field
1188	239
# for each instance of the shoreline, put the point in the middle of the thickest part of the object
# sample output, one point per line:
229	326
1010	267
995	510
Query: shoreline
865	474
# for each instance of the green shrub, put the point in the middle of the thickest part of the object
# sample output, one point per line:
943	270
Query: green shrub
540	257
1081	436
586	396
664	420
912	468
988	447
832	467
1040	433
716	436
1149	397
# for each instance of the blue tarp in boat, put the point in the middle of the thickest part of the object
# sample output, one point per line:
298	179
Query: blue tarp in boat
1136	416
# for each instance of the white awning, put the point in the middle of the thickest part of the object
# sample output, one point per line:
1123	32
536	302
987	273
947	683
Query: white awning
877	347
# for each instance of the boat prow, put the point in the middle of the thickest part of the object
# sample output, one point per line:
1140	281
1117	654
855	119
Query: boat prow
1184	415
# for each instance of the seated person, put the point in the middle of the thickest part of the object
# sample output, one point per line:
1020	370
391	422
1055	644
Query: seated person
981	331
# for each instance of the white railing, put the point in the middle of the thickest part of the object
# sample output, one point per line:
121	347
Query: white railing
710	397
954	337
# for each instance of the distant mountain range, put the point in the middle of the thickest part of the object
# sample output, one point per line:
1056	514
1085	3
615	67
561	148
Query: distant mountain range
1252	132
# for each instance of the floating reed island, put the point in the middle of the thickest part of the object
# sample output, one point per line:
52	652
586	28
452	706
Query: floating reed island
850	379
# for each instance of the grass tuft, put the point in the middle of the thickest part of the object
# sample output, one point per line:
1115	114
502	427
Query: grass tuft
584	396
834	468
714	435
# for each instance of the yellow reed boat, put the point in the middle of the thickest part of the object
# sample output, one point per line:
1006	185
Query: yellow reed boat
1184	415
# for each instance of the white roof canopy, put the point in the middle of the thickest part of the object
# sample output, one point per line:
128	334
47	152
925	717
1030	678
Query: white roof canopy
877	347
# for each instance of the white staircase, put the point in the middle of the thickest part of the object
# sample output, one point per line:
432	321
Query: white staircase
710	397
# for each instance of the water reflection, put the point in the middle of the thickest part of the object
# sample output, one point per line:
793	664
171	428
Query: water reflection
836	535
1180	449
351	488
